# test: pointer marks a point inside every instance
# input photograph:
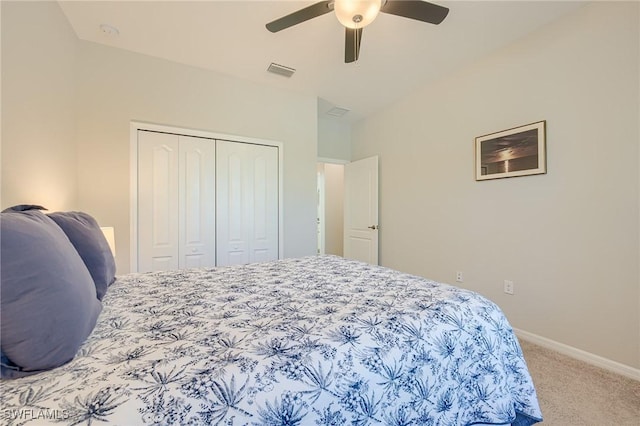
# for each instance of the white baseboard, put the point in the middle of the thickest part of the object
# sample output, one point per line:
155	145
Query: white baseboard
598	361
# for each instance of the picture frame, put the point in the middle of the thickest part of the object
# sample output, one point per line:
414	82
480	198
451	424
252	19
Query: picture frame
519	151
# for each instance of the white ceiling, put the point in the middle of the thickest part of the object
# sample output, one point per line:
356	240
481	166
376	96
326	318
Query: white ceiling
397	54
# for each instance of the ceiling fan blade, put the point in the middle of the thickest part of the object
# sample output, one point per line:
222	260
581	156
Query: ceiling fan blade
416	9
352	38
310	12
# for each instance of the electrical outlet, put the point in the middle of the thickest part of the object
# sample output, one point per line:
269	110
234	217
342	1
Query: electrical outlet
508	286
459	277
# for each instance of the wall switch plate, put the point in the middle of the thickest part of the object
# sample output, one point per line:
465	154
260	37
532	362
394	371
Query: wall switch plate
508	286
459	277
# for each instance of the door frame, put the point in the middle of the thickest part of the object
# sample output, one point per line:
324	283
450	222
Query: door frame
320	208
136	126
323	200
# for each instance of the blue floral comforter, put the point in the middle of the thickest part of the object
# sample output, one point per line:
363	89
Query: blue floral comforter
311	341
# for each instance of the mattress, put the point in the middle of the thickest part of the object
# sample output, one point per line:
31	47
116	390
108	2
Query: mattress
309	341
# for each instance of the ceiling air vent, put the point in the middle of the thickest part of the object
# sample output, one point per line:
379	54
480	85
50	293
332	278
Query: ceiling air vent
337	111
281	70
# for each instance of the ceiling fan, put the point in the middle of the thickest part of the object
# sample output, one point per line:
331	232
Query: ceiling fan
357	14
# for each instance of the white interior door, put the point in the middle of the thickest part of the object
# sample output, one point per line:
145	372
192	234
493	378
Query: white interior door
247	225
361	210
197	247
158	201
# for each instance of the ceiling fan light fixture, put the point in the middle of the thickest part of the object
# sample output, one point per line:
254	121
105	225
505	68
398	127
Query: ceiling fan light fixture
356	13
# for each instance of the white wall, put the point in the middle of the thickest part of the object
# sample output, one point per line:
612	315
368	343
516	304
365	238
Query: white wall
38	106
334	139
568	239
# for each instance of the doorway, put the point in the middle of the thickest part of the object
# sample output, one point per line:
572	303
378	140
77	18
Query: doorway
330	218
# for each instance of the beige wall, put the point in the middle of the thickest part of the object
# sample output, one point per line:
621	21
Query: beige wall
67	108
38	107
568	239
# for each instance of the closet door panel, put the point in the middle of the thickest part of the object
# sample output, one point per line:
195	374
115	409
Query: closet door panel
197	201
264	215
247	204
231	223
158	210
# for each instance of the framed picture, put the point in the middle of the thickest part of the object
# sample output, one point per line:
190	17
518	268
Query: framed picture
520	151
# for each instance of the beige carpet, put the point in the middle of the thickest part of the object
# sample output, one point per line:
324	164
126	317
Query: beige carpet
572	392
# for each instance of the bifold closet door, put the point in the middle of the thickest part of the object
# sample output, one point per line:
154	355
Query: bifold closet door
158	211
176	202
247	203
197	180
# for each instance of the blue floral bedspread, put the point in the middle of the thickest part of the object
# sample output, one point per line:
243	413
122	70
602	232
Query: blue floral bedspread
310	341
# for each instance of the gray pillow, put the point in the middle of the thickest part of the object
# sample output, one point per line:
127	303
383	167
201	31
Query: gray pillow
87	237
23	208
48	305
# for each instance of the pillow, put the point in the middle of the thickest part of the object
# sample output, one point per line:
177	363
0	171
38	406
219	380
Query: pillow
23	208
48	305
87	237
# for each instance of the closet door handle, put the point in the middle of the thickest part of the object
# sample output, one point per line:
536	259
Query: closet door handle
374	227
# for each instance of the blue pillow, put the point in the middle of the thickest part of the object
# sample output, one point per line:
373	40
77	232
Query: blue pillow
87	237
23	208
48	305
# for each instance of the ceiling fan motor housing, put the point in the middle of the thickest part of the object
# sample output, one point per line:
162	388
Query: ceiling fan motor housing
356	13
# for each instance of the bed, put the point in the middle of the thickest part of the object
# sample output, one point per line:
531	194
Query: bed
309	341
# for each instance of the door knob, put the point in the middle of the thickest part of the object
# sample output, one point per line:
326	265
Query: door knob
374	227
